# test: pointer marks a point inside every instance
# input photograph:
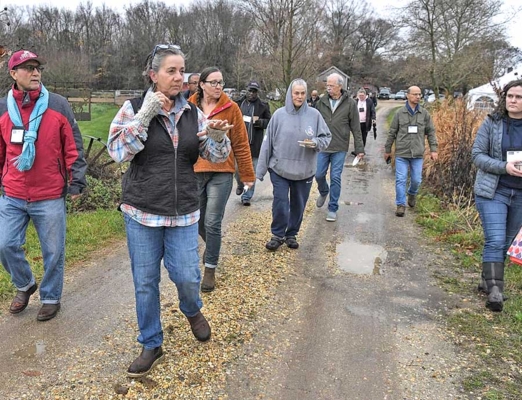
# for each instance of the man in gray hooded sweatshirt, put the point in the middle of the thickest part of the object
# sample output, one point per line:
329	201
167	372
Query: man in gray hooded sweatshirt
294	136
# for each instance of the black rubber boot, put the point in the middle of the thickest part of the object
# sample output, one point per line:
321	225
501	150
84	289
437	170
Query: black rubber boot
493	273
482	286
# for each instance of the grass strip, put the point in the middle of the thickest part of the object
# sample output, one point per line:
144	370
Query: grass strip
492	341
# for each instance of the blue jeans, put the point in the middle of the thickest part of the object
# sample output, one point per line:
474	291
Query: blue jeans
501	219
401	177
337	163
250	192
48	218
287	215
214	191
178	247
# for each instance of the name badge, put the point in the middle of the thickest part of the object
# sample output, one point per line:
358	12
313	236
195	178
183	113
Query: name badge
361	109
247	118
17	135
413	129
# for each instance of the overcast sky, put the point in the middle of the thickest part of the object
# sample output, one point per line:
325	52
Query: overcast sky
381	6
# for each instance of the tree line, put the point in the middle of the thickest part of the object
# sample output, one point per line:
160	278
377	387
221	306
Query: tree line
446	44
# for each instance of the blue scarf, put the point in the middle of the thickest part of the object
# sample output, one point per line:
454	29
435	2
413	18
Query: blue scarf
411	110
25	160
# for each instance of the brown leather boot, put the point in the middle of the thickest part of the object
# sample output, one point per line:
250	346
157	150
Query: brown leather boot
209	280
21	300
200	327
400	211
412	200
144	363
48	311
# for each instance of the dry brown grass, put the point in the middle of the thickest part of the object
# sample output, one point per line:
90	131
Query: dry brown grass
451	178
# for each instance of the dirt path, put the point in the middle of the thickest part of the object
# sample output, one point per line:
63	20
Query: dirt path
372	333
324	333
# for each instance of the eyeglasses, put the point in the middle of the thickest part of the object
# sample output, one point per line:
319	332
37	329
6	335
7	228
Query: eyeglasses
31	68
164	47
215	83
193	83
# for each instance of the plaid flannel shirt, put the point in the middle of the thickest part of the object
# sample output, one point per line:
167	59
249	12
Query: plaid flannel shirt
126	137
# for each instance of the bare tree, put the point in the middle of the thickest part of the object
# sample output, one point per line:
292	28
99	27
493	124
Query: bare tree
452	35
289	37
342	21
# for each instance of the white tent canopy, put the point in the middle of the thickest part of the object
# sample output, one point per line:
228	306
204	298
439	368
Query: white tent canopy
484	97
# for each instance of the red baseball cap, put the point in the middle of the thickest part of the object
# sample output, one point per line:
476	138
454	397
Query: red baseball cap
21	56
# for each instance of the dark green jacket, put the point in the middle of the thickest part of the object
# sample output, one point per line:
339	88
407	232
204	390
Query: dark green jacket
411	145
344	119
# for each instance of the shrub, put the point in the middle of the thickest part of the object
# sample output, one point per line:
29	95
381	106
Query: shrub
451	178
102	193
103	180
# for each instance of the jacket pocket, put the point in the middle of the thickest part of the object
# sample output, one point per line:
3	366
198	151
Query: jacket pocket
61	170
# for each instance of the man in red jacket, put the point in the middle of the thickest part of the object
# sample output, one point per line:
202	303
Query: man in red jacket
41	161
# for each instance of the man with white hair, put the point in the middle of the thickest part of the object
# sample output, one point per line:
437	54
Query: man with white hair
339	111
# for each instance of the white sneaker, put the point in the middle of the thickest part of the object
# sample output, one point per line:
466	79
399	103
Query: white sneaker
332	216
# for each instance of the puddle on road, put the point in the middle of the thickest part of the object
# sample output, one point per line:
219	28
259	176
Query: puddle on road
37	350
363	259
366	312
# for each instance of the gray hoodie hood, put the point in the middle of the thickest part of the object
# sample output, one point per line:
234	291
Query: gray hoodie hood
289	104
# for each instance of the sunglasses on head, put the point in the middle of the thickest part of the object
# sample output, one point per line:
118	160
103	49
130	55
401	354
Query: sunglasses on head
163	47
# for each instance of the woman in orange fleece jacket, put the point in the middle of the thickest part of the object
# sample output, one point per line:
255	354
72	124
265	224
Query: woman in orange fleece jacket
216	180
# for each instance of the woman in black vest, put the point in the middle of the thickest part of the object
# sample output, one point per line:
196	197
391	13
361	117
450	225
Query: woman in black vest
162	135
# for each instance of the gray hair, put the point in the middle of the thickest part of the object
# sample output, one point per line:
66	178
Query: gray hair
361	90
299	82
339	78
155	64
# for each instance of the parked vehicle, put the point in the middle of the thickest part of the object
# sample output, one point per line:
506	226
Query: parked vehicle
230	91
274	95
431	97
384	94
400	95
392	96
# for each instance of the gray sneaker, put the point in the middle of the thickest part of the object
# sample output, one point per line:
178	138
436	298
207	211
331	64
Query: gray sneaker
320	200
332	216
